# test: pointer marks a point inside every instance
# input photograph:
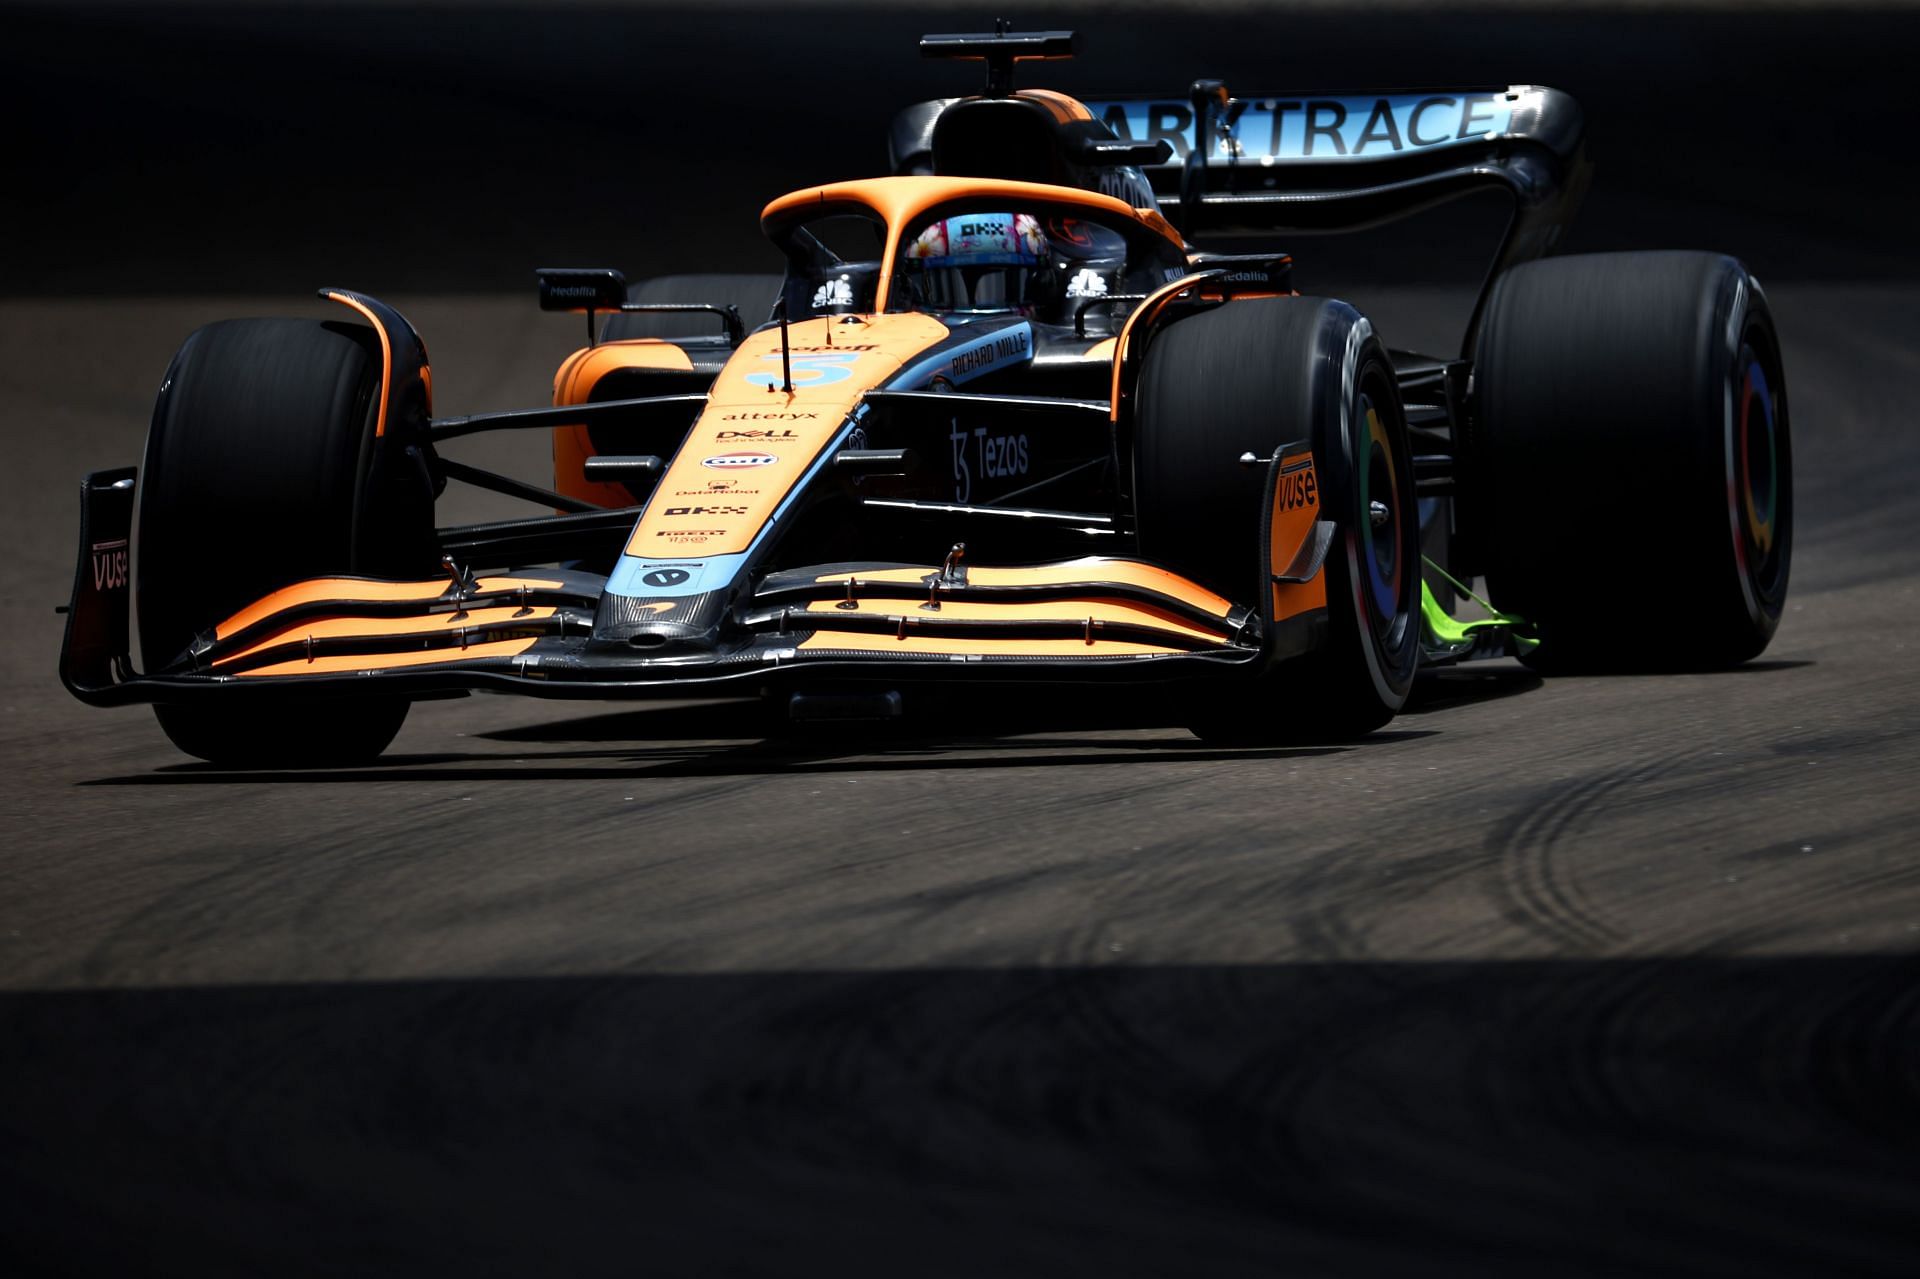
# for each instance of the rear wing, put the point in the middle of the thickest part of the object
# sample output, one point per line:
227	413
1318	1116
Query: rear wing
1345	162
1261	165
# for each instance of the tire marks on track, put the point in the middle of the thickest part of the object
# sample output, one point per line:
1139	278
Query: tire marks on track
373	884
1539	878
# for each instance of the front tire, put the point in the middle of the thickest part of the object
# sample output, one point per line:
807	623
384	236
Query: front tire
263	468
1634	485
1249	377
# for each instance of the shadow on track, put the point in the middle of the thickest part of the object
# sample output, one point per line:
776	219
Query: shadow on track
1761	666
972	729
1465	685
743	738
758	760
1694	1115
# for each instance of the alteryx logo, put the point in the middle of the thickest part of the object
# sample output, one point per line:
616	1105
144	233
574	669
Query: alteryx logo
738	461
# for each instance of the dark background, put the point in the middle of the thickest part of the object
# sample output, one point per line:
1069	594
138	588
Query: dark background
1609	976
446	147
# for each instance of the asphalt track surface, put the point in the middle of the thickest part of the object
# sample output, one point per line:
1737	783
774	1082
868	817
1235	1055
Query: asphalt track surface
1595	975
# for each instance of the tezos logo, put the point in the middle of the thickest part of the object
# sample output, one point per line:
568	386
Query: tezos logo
665	577
738	461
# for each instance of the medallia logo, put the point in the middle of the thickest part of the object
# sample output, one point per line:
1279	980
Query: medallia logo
738	461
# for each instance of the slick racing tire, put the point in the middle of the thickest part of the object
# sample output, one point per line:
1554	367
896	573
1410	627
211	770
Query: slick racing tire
1249	377
263	468
1632	477
752	295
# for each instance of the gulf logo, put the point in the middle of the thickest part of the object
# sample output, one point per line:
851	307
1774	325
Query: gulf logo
738	461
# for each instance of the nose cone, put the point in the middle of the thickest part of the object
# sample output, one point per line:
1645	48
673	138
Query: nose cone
673	625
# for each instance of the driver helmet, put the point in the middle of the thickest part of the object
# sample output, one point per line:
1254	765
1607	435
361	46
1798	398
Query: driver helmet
987	262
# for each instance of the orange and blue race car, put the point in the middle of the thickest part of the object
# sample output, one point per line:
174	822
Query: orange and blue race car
1000	421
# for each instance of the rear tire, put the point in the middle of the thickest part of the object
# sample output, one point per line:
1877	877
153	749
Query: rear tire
1634	486
752	295
262	468
1249	377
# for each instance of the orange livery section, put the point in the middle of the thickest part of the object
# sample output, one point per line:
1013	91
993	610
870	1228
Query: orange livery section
756	438
574	383
1296	509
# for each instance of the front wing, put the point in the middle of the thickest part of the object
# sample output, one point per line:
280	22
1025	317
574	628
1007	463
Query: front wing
535	632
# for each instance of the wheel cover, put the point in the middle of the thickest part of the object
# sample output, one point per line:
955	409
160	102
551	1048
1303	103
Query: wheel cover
1760	514
1388	601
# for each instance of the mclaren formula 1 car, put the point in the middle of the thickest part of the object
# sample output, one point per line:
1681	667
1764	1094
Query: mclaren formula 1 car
1001	420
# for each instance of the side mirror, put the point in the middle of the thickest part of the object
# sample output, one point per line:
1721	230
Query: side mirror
579	289
1210	102
590	288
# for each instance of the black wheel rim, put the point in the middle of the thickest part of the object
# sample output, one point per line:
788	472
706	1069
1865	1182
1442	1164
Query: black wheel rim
1385	520
1760	479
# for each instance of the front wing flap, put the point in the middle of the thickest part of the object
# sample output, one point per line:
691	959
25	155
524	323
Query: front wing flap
557	633
535	631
